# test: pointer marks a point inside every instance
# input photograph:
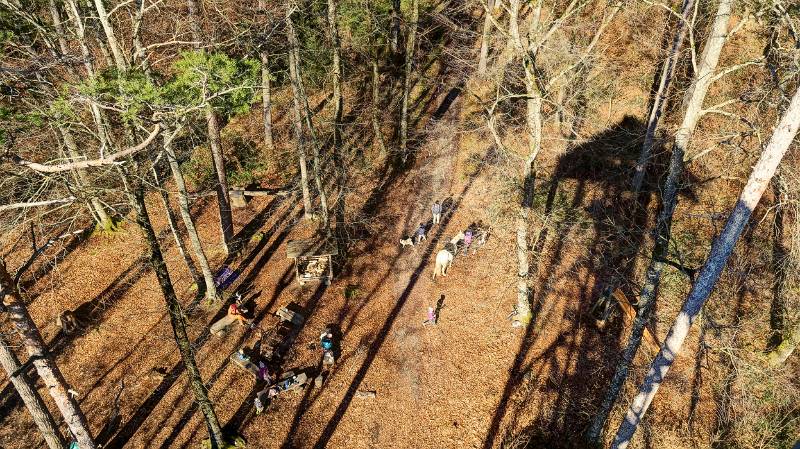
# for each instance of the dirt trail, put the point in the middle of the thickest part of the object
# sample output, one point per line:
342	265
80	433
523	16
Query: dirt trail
432	183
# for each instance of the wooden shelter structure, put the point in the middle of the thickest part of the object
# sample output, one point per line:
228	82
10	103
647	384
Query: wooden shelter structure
313	259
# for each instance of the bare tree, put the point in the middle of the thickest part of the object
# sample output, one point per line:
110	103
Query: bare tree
111	38
693	111
407	71
186	216
376	79
297	117
42	360
30	397
660	98
215	142
394	37
266	79
707	278
487	34
338	108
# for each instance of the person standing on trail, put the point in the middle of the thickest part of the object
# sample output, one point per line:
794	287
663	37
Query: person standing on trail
436	209
421	233
467	241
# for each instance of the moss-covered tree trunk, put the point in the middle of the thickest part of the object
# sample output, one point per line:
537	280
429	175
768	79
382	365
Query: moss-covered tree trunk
177	318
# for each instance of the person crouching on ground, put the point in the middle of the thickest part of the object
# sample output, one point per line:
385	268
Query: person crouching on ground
234	311
436	209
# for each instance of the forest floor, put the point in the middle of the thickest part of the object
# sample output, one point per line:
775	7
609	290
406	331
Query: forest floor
469	381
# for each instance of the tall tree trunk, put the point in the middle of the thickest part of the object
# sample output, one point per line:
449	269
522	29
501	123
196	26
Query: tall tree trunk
487	33
177	319
173	227
194	23
376	111
300	94
394	33
266	95
223	200
80	31
376	82
297	118
533	122
707	278
43	362
215	142
692	114
58	26
338	108
140	55
407	68
315	145
660	99
113	43
36	407
191	231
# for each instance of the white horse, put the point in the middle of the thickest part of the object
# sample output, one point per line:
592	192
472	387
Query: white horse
443	261
457	238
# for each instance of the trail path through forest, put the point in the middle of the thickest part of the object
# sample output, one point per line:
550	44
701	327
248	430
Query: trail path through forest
432	183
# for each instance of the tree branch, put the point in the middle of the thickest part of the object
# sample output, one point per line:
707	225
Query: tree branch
107	160
36	203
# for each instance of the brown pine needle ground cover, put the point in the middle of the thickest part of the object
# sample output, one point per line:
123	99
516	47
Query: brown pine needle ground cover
470	381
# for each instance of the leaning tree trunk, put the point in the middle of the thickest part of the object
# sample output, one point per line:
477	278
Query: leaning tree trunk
43	362
173	227
41	415
487	31
177	319
297	119
692	114
660	99
186	216
707	278
407	68
266	95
